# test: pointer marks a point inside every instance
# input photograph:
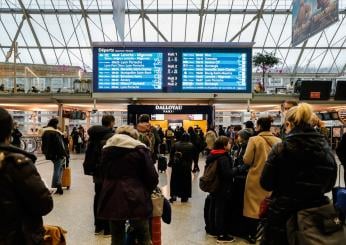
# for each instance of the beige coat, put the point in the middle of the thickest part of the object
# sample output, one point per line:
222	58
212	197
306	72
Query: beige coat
256	155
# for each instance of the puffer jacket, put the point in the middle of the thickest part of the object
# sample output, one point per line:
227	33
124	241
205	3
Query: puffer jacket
299	171
53	146
302	167
24	198
129	179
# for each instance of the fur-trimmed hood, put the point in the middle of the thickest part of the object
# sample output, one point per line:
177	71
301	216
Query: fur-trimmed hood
41	131
123	141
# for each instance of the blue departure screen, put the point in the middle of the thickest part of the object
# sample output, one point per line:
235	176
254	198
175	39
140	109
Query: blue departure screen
214	71
130	71
172	69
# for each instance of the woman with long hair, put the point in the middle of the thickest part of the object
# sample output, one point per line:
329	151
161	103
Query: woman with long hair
299	171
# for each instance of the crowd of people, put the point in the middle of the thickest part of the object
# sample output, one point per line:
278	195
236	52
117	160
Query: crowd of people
292	172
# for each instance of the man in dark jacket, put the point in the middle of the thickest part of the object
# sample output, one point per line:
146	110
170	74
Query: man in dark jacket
53	148
98	135
24	198
341	152
130	177
181	157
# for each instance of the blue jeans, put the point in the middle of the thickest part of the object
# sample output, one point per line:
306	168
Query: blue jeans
57	172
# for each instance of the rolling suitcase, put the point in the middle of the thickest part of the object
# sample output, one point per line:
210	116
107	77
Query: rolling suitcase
66	178
209	215
162	163
339	195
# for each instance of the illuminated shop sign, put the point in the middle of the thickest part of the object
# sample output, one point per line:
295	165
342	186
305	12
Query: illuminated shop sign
169	108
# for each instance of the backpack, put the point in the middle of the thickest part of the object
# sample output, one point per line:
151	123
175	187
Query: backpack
210	182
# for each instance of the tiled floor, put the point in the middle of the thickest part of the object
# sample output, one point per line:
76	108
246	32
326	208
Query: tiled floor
73	210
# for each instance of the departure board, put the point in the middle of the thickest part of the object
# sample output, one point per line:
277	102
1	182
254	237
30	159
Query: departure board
130	71
172	69
214	71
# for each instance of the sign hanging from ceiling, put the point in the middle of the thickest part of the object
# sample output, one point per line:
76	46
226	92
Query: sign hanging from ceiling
312	16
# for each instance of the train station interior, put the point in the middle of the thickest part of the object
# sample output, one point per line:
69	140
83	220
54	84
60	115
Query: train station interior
191	67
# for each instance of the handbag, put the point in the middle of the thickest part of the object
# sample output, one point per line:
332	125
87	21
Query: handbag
319	225
157	199
264	206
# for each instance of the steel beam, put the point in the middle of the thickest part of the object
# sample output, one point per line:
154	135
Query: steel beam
337	56
155	27
259	17
201	14
299	57
313	52
16	36
149	11
244	28
330	43
143	22
85	16
27	16
259	48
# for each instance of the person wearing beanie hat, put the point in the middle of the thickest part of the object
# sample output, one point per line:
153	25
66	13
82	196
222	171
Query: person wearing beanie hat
245	134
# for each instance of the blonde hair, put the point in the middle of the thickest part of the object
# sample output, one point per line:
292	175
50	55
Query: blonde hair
128	130
300	115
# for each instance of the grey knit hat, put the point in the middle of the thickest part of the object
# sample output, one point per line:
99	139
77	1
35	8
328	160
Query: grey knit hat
245	134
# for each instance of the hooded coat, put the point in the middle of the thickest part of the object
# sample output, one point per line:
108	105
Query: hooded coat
129	179
24	198
181	170
53	146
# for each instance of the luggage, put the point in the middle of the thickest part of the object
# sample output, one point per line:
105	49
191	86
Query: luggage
66	178
162	163
339	195
209	215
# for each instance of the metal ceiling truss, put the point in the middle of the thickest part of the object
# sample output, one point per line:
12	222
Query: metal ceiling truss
299	57
259	17
187	7
21	34
229	21
85	16
215	15
204	21
313	52
63	36
16	36
143	22
242	23
201	14
268	28
330	43
49	34
155	27
337	56
9	37
27	16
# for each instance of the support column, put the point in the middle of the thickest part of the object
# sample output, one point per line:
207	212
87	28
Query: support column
61	119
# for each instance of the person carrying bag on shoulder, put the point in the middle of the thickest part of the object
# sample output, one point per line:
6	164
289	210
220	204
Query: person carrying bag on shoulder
299	171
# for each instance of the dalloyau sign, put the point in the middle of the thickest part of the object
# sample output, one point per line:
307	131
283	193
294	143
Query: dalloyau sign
168	108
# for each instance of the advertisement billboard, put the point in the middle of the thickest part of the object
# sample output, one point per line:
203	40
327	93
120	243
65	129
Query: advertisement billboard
312	16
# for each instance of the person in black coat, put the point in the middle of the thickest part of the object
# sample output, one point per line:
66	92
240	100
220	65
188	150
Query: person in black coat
341	153
24	198
181	157
299	171
98	135
16	135
222	196
196	141
129	179
53	148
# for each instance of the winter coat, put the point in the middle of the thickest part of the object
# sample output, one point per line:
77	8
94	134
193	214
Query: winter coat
256	154
225	171
210	138
98	135
53	146
24	198
129	179
16	135
181	170
299	171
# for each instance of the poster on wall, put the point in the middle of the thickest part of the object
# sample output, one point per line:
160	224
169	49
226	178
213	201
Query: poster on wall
312	16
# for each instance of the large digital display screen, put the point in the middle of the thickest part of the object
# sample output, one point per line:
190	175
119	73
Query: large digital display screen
172	69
